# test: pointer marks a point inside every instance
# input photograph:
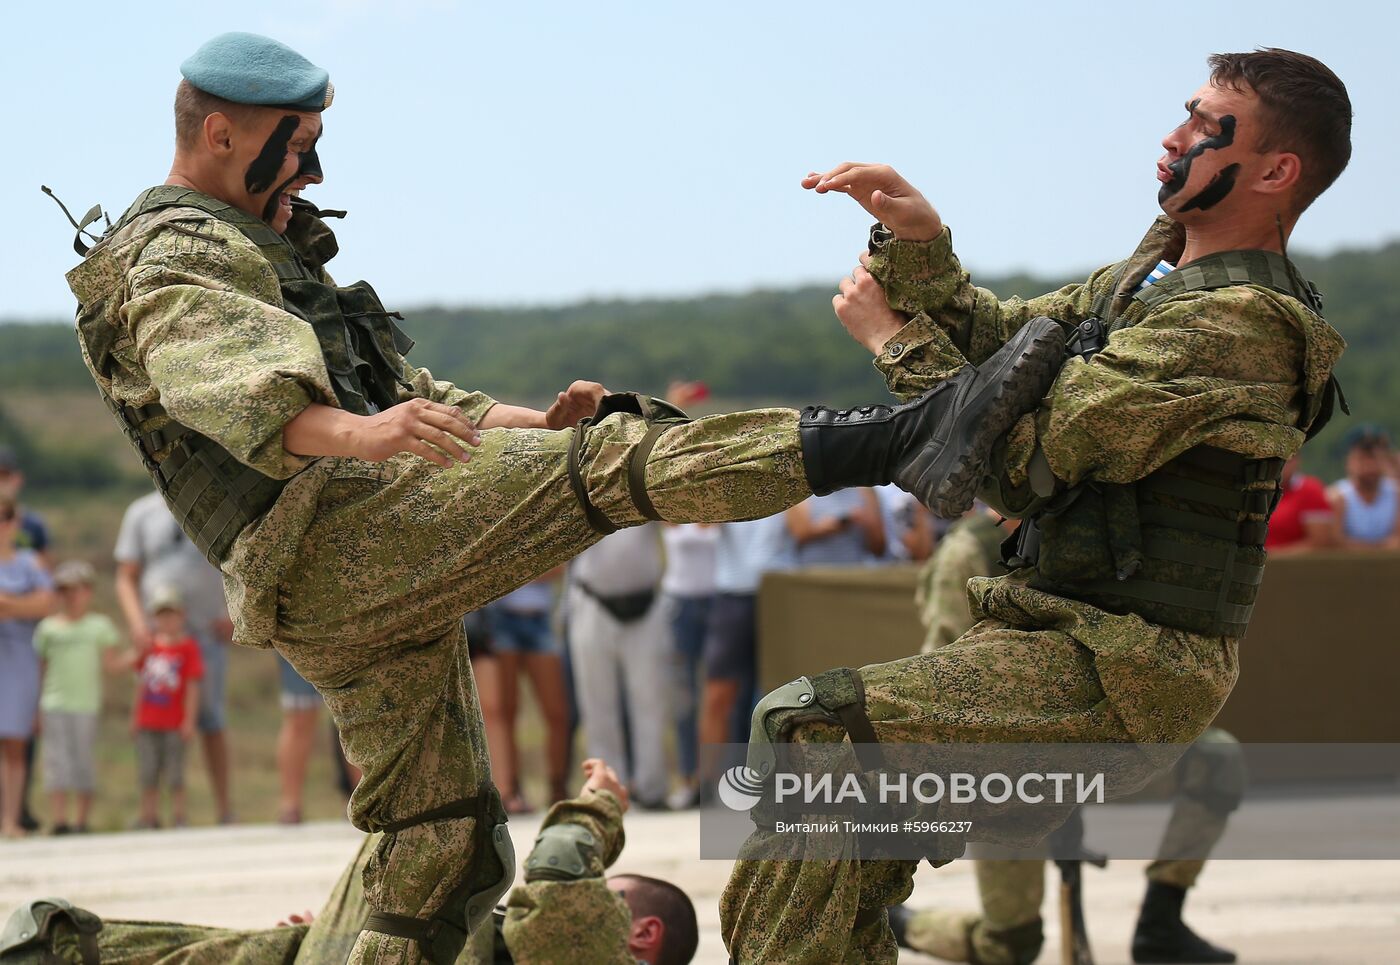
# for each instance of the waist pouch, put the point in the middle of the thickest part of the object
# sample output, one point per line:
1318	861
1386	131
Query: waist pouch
624	607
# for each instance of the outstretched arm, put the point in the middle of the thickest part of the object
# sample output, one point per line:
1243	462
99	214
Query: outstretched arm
564	911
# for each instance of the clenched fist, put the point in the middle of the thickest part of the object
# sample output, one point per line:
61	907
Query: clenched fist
579	401
863	310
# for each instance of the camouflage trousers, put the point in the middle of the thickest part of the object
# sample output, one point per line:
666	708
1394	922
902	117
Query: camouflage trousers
1011	891
1036	668
394	555
326	941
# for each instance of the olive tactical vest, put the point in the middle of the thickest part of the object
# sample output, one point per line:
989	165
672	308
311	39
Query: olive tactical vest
212	495
1184	546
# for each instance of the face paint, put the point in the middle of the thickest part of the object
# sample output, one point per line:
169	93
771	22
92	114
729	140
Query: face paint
269	160
1213	193
308	162
1181	167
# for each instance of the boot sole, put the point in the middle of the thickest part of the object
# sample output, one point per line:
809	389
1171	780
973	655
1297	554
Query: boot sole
1017	391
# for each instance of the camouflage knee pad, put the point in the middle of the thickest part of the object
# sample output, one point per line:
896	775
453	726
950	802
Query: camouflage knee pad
660	416
442	937
50	930
834	697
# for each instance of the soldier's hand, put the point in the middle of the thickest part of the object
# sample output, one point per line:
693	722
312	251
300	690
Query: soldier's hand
863	310
880	190
579	401
432	430
603	778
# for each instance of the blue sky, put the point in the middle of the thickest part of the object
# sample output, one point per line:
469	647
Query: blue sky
546	152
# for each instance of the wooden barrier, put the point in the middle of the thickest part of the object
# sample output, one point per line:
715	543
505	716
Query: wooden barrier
1321	661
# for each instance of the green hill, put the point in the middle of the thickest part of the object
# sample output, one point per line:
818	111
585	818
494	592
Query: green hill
758	348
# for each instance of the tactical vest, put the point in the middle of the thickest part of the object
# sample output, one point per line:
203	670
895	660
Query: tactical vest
211	494
1184	546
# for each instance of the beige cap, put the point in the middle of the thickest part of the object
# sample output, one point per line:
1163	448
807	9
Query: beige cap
74	573
165	597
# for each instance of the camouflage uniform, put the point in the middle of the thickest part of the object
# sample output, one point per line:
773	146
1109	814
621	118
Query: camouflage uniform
545	921
1008	929
1238	368
577	920
360	572
326	941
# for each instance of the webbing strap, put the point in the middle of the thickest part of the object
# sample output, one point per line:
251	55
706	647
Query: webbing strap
850	708
421	930
1175	551
464	807
273	246
193	479
596	520
1198	492
1171	595
637	472
1266	269
1153	515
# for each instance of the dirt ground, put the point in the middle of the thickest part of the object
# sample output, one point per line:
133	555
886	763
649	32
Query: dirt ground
1271	912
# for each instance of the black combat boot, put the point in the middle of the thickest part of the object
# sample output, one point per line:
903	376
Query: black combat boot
937	446
1161	937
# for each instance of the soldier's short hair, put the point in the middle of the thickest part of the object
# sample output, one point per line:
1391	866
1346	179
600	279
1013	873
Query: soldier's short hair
652	896
193	105
1306	110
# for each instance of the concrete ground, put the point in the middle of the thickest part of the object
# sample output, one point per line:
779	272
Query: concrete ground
1271	912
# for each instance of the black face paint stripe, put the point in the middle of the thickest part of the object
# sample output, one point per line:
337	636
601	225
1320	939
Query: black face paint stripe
1181	167
270	208
1212	194
269	160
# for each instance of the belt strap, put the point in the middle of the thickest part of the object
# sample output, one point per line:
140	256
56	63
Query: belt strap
422	930
596	520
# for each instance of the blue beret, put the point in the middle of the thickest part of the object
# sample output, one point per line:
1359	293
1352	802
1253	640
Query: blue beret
252	69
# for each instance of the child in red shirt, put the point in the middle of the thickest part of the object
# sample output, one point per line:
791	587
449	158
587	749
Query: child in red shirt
166	707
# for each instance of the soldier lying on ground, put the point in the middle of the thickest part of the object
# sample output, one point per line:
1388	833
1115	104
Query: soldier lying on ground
564	912
1145	479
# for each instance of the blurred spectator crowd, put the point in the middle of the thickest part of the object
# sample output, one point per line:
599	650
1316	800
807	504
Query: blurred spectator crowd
647	642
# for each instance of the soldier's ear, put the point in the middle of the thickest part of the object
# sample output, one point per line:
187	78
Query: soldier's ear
647	932
218	133
1282	175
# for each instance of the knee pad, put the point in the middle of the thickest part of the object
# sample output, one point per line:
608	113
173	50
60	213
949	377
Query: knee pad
37	931
660	416
835	697
562	852
1212	771
442	937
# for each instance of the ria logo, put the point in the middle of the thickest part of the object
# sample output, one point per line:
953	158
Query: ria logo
740	788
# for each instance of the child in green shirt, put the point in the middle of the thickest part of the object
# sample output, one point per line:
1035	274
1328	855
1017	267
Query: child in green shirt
73	646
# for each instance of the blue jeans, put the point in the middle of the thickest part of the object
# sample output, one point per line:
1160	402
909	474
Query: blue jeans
689	616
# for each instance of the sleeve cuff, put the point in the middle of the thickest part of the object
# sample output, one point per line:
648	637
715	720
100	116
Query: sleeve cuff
913	273
917	357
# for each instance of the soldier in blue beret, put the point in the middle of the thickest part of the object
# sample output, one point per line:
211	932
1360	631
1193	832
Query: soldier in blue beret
355	507
247	118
